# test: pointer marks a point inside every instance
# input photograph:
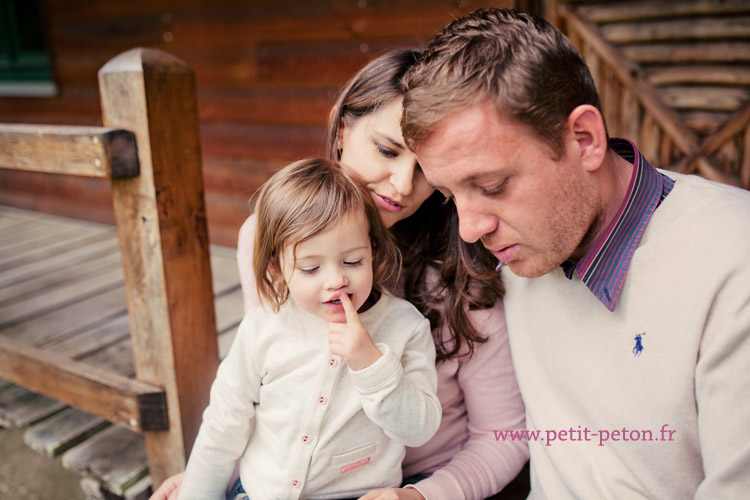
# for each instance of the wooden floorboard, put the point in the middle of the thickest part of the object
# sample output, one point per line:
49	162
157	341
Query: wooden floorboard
35	253
73	273
34	237
89	340
116	357
25	234
64	294
54	263
89	308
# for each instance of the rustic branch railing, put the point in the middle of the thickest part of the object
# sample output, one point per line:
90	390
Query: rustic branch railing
634	108
150	149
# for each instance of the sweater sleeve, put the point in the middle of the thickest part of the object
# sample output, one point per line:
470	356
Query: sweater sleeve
227	422
399	395
493	402
245	247
722	386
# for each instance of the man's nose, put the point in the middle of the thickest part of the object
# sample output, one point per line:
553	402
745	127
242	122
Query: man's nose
473	221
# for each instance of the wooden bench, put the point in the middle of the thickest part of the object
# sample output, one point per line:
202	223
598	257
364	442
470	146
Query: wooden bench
61	287
149	148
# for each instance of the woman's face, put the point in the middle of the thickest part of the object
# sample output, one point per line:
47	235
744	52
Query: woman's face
373	149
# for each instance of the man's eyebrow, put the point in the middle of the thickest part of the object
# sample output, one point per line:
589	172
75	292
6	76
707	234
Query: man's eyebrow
466	180
471	178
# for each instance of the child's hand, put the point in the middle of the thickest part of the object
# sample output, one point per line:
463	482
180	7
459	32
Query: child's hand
393	494
351	340
169	489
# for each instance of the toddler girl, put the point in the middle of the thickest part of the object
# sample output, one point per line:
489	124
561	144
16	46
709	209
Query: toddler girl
325	385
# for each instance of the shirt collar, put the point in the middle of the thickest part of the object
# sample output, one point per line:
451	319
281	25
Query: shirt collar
604	266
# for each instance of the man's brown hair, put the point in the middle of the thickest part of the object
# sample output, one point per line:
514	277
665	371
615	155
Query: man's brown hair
523	64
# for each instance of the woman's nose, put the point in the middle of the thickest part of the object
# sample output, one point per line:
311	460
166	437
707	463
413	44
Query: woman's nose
402	177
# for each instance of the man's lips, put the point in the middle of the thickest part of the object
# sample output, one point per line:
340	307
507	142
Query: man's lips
506	254
388	203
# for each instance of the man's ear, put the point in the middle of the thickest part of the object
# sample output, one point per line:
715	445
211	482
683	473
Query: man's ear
589	135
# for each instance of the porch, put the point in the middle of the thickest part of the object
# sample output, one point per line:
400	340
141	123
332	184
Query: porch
62	296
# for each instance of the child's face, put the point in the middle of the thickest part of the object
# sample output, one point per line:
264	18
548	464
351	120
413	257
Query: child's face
335	261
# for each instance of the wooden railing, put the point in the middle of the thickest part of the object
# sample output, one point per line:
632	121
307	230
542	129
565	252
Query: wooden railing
634	108
149	148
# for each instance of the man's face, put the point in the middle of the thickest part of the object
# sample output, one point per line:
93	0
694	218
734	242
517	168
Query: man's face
531	209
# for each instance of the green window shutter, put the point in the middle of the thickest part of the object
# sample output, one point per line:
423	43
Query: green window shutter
24	60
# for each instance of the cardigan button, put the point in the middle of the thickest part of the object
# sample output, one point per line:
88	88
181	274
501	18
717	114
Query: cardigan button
333	362
295	483
322	400
305	438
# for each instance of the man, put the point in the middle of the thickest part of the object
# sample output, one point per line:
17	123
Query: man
628	288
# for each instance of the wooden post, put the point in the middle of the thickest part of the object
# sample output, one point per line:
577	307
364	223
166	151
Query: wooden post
161	222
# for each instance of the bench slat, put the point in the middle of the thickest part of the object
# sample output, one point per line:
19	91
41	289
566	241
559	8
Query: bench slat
20	407
116	457
121	400
61	432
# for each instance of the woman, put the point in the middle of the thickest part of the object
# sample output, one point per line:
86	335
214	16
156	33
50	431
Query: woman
445	278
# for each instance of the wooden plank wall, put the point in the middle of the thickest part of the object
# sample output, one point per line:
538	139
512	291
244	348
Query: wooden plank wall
267	73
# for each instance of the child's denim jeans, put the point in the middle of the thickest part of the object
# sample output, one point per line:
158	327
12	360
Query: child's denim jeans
238	492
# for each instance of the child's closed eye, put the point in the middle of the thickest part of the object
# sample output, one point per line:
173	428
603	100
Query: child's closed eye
353	263
308	270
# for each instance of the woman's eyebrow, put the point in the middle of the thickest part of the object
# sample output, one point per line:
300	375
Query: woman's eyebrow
386	137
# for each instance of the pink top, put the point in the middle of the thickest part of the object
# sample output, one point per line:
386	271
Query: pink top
478	395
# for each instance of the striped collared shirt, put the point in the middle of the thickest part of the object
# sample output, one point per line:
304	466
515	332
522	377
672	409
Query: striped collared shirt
605	264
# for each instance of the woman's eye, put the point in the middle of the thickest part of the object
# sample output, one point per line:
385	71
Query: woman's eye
308	270
353	263
388	153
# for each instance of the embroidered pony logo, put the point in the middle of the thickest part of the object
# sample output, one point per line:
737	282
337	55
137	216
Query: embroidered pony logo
638	344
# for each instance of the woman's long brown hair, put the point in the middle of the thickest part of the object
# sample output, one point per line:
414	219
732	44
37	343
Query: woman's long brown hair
443	276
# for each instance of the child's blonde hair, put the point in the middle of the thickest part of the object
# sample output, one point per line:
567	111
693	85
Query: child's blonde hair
302	200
